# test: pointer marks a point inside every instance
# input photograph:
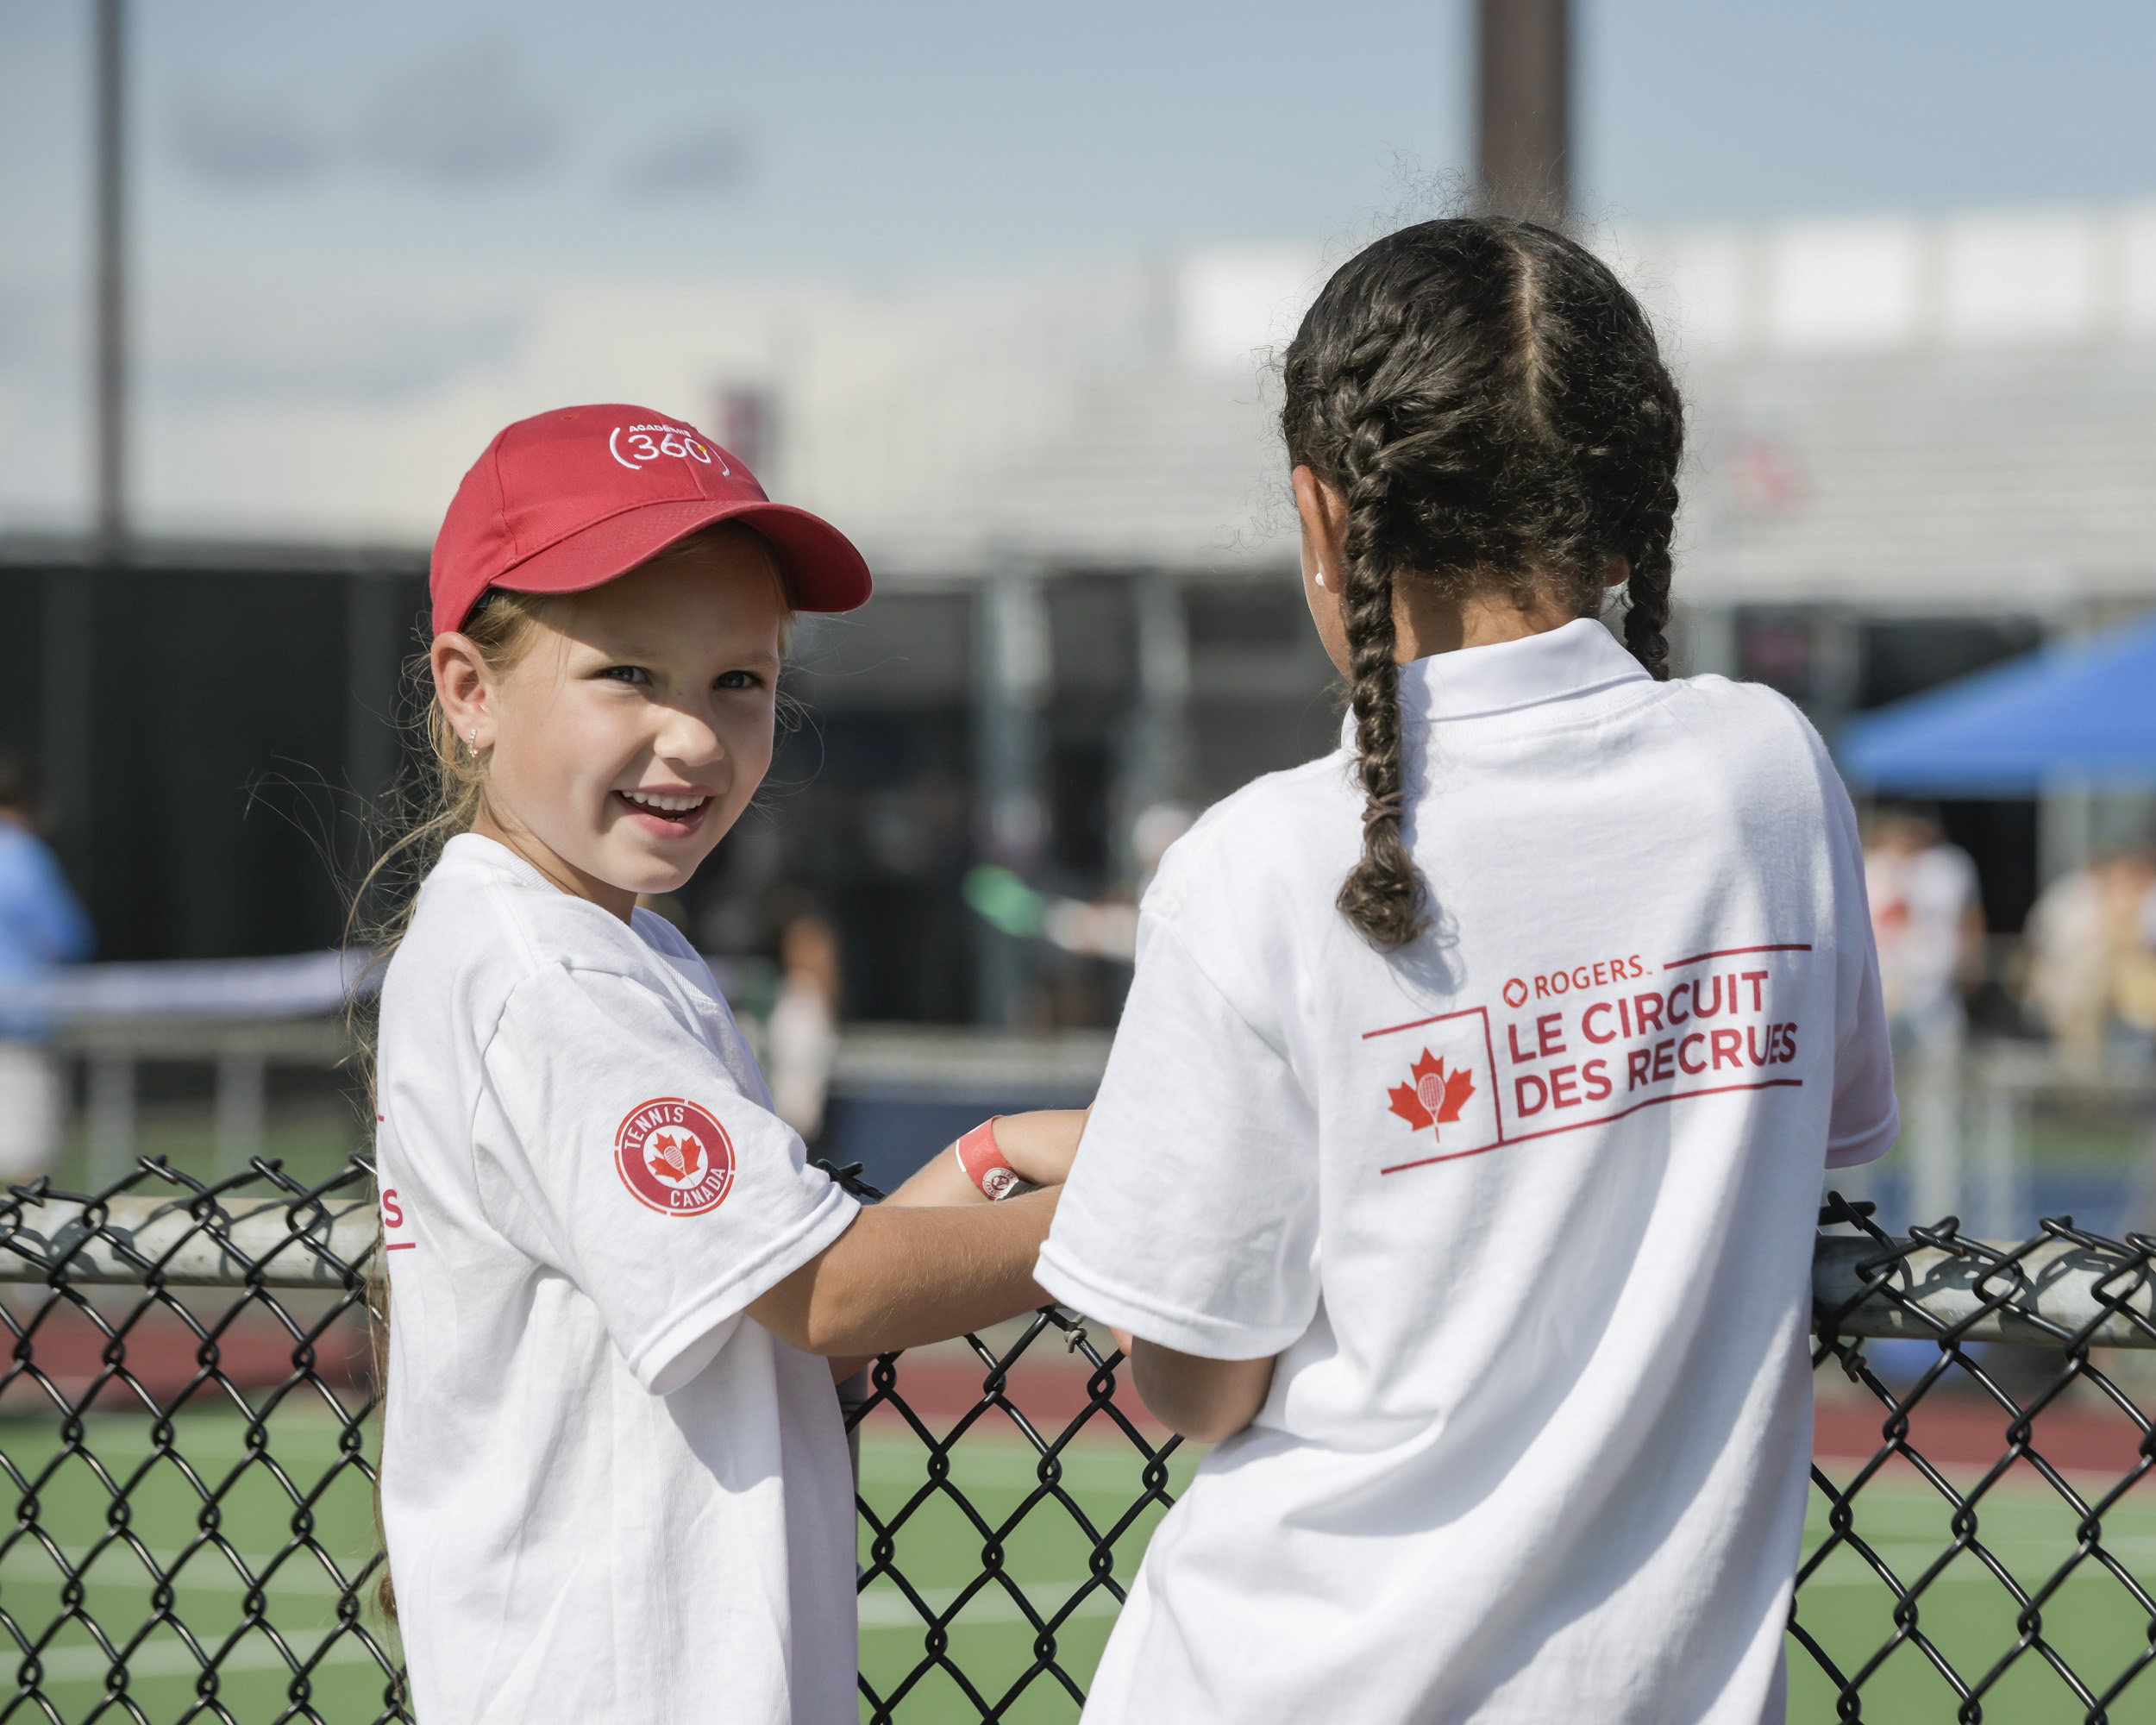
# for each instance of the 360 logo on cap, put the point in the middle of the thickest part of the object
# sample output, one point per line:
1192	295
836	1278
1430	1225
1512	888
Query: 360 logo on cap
677	440
673	1157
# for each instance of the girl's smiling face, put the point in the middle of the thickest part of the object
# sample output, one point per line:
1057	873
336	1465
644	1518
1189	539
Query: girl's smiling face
629	732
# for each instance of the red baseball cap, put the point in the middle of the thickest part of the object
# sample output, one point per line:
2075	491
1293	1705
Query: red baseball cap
570	500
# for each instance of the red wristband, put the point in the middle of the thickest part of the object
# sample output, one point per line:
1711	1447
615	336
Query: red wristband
984	1165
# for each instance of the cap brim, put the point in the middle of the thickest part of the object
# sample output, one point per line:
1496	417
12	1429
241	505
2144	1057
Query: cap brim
820	566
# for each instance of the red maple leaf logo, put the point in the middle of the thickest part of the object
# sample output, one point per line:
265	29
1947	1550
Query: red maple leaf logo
680	1158
1436	1097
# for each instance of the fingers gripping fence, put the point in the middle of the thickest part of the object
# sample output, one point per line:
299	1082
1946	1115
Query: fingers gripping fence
187	1420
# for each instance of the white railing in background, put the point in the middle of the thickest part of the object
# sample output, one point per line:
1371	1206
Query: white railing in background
238	1016
243	1018
1967	1118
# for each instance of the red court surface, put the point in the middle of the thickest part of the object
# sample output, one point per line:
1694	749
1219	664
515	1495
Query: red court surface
163	1354
1048	1385
1958	1431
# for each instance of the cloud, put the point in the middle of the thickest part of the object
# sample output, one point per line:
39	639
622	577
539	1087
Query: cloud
462	116
238	141
347	343
713	158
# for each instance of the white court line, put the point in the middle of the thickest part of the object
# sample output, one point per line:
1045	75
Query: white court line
172	1659
1847	1567
207	1570
885	1608
1017	1468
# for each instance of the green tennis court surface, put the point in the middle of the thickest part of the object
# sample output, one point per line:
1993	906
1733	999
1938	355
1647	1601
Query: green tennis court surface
74	1510
1048	1557
2093	1622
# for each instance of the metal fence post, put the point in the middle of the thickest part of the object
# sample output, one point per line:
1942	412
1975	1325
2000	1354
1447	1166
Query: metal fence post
2005	1106
110	1116
242	1105
1934	1122
1014	677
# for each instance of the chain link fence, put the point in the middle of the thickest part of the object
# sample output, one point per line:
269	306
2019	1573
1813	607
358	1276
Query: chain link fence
184	1427
186	1424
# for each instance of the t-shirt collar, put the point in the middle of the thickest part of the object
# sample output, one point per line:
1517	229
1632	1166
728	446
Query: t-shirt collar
1474	683
476	850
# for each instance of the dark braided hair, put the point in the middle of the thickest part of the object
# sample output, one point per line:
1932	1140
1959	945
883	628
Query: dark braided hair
1490	402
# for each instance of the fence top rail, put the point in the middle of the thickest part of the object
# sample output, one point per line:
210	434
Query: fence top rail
190	1239
2061	1288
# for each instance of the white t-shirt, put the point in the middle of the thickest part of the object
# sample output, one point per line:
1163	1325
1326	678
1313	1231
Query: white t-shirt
1527	1211
607	1494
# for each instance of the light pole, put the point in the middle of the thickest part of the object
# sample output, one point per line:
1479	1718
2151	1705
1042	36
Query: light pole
67	746
112	389
1523	109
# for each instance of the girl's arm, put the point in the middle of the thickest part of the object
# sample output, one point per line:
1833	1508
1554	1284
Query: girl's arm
904	1275
1203	1400
1038	1146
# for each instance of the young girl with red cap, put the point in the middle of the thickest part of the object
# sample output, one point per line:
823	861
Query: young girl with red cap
1457	1160
614	1482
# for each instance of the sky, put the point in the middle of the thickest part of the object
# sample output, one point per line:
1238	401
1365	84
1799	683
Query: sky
354	196
953	134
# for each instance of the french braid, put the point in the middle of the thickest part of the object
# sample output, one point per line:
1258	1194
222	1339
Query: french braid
1490	403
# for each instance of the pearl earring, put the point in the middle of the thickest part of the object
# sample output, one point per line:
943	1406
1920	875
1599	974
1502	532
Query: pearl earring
475	739
1317	575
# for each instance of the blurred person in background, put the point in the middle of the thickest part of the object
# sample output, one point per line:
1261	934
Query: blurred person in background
2088	959
1927	918
1927	922
41	925
802	1036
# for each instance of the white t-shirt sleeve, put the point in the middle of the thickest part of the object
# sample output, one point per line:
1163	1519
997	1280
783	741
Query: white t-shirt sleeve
1191	1215
1863	1122
565	1149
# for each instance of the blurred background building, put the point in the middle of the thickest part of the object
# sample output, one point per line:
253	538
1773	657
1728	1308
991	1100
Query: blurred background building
1920	446
1921	442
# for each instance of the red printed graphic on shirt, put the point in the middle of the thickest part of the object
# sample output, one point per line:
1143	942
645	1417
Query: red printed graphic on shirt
395	1236
1594	1041
1436	1097
674	1156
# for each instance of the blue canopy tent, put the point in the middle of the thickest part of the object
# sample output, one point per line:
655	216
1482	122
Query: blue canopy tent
2079	714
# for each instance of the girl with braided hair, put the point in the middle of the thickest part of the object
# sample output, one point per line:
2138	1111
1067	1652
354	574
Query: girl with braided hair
1454	1167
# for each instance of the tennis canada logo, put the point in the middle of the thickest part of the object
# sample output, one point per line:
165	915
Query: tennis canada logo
675	1158
1436	1097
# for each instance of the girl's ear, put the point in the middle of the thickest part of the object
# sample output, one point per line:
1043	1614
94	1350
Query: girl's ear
464	688
1323	513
